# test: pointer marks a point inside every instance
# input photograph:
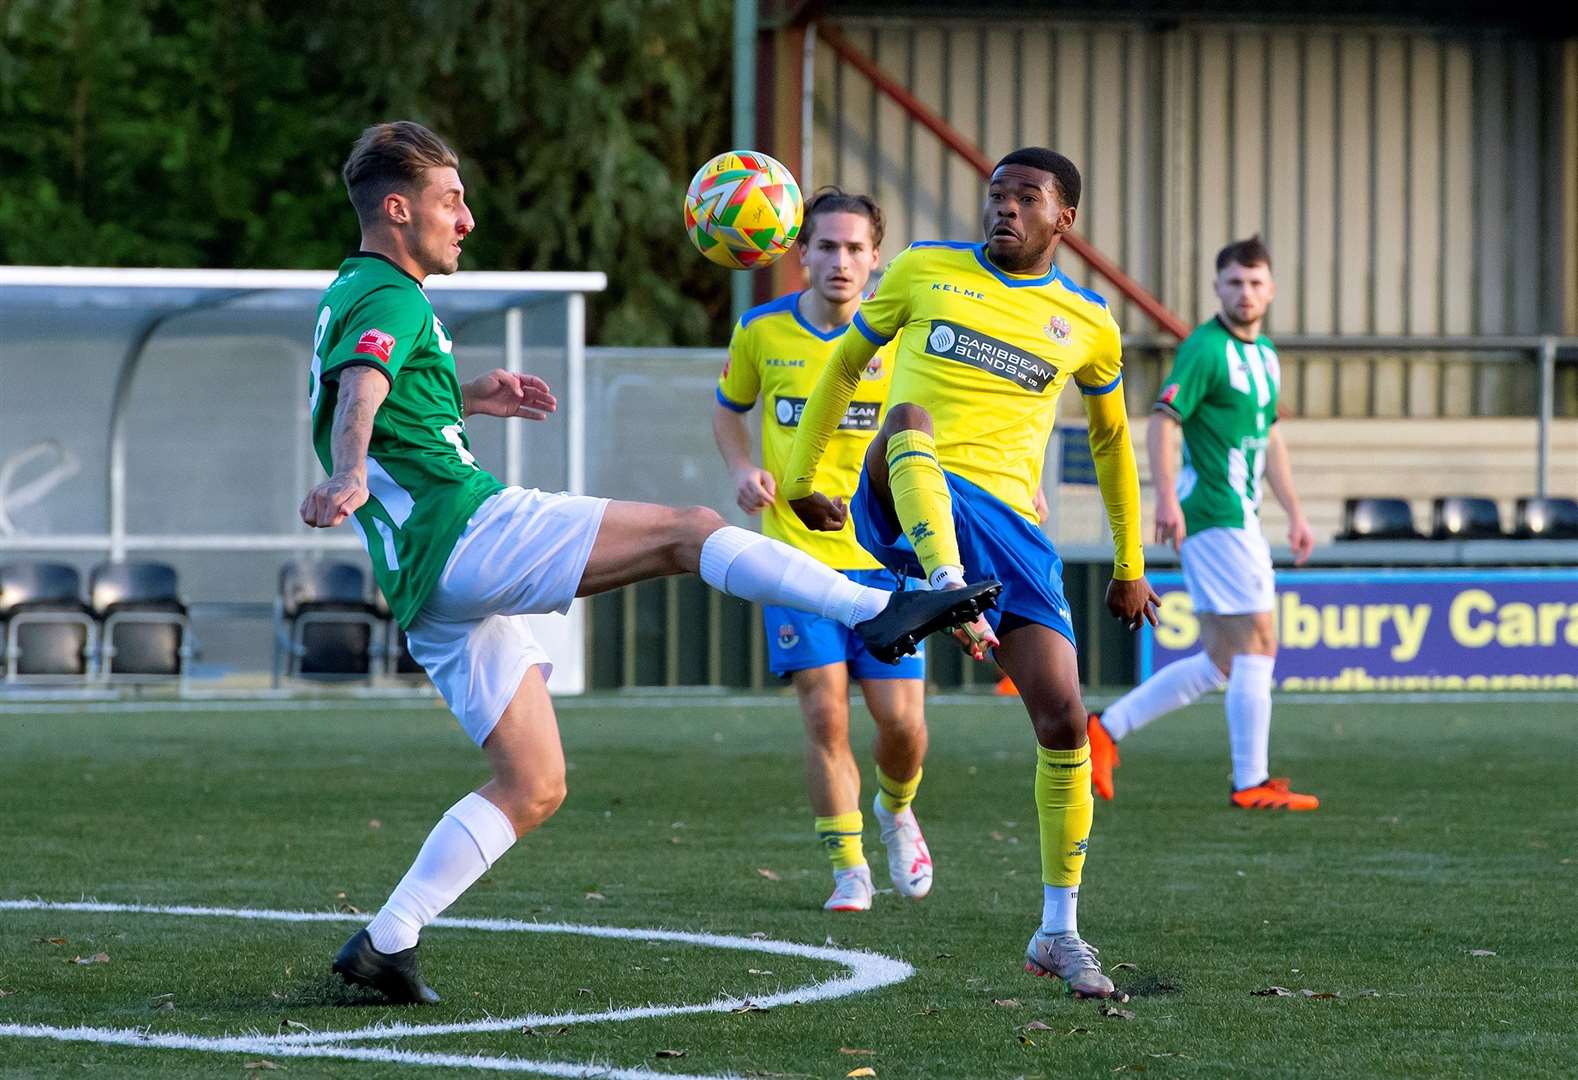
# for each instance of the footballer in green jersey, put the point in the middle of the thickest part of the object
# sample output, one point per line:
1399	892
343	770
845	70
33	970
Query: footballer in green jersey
1221	397
464	560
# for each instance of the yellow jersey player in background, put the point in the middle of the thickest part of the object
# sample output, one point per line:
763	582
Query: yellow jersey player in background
992	334
776	354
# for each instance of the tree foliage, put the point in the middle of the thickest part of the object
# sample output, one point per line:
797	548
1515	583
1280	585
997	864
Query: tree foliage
210	133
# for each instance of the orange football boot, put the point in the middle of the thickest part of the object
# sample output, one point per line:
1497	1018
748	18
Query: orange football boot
1103	756
1272	795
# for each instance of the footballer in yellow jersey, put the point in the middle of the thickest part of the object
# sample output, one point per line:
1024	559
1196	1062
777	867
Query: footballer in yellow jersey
776	355
992	333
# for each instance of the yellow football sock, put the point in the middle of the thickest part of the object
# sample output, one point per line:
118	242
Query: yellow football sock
921	500
895	796
840	835
1065	807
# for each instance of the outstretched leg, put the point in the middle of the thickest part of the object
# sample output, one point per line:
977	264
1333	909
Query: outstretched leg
637	541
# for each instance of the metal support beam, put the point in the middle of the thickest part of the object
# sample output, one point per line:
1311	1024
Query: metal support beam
1542	479
744	120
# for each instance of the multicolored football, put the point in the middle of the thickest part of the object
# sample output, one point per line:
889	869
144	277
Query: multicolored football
743	210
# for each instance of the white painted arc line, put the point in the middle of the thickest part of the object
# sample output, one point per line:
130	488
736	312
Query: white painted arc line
867	971
262	1046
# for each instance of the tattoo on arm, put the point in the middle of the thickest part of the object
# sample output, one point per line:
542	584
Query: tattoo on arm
361	392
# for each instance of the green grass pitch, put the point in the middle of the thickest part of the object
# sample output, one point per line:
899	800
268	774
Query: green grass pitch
1431	905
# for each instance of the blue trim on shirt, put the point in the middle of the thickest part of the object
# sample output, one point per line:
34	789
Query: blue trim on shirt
730	405
869	334
782	303
831	335
1097	391
1089	294
955	245
1012	282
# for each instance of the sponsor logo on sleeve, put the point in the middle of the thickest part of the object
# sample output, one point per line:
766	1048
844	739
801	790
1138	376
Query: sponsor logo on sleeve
952	341
1168	393
376	343
860	416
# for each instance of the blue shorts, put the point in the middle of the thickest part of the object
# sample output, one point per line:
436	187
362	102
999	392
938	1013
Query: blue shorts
797	640
994	542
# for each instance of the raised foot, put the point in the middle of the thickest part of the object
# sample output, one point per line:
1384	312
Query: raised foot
911	616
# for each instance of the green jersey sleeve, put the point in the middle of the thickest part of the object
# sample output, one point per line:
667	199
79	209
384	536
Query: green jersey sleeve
379	331
1193	375
741	381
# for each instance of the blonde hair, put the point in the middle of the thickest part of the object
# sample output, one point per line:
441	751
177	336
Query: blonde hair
392	157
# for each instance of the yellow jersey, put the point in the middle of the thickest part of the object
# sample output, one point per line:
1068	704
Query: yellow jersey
988	354
777	356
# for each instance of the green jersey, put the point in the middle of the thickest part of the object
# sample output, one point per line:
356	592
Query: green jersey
1223	390
424	482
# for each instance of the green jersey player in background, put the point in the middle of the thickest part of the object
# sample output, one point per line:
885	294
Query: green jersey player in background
1221	395
463	559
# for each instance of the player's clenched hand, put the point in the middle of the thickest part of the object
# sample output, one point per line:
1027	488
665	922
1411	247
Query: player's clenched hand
754	489
1169	520
508	393
819	512
334	500
1301	539
1134	602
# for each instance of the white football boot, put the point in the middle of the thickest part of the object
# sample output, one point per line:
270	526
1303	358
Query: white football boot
851	890
909	860
1071	958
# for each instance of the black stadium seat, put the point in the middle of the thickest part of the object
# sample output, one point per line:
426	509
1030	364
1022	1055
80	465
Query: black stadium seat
1547	519
48	631
1377	519
397	652
145	628
1459	517
324	624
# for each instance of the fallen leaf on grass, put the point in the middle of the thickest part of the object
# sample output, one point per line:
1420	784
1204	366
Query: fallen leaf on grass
595	896
529	1030
1369	993
943	956
855	1051
1006	1003
164	1006
1168	1054
749	1006
1113	1010
96	958
293	1025
1076	1031
768	874
1272	991
374	823
757	935
4	993
669	1054
1025	1040
865	1071
261	1063
345	906
1125	966
929	1010
1321	994
1036	1025
757	971
50	940
584	991
1480	952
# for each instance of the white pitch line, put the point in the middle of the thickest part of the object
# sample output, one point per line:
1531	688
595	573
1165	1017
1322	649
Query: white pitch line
867	972
262	1046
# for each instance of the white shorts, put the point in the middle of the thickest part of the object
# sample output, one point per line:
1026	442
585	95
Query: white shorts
523	553
1228	571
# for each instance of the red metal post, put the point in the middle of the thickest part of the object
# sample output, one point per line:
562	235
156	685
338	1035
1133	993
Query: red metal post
971	153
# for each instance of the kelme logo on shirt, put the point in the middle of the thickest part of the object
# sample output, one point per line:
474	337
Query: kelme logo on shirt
951	341
860	416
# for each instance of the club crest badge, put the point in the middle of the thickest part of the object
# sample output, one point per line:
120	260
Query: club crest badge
1058	329
787	638
873	369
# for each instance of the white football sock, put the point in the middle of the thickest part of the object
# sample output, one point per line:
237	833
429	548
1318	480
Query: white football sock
1173	687
757	568
1059	909
1249	718
469	838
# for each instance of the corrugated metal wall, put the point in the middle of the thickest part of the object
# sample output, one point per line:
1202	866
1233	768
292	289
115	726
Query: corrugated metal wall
1407	181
